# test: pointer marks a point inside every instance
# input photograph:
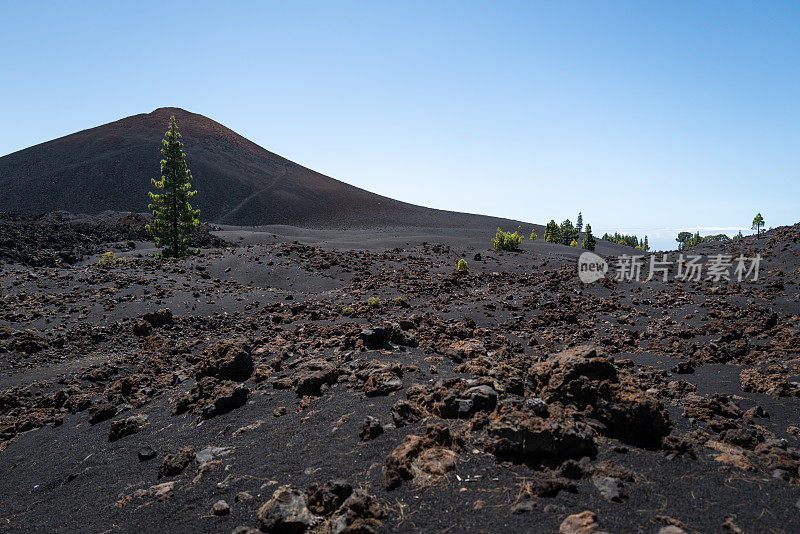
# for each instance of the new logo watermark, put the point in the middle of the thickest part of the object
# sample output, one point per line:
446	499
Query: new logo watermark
591	267
685	268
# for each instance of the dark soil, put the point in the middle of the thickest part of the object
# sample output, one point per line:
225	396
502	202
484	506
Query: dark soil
314	385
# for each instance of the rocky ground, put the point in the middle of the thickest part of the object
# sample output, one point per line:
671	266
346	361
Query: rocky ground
290	385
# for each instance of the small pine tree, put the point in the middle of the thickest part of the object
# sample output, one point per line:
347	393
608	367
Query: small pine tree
551	232
533	234
579	224
646	245
174	220
758	224
589	242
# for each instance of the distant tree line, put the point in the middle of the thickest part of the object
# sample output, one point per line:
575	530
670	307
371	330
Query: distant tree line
628	240
568	234
688	239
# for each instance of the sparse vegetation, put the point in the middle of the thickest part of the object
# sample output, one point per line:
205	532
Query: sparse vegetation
533	236
174	220
373	302
506	240
462	266
108	258
348	310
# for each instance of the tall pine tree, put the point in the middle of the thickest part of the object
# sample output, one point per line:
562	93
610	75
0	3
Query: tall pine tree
589	241
579	224
174	220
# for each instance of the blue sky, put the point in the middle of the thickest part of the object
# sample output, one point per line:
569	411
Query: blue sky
648	117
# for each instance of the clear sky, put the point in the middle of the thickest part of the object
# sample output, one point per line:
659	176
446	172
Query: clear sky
648	117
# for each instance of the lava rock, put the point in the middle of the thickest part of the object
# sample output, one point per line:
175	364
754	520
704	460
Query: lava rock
371	428
376	337
227	361
287	512
175	463
610	488
220	508
145	453
159	318
126	427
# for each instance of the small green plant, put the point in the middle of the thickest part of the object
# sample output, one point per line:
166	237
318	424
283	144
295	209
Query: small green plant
348	310
533	237
373	302
506	240
108	258
462	266
573	243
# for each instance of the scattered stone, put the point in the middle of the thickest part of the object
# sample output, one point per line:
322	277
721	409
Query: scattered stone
324	499
404	413
582	523
359	514
212	453
683	368
611	488
243	496
142	328
126	427
175	463
376	337
286	512
371	428
523	507
159	318
227	361
227	396
220	508
145	453
103	412
435	461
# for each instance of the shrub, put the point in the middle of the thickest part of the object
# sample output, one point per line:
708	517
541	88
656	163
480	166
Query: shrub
108	258
506	240
533	235
374	301
348	310
574	243
462	266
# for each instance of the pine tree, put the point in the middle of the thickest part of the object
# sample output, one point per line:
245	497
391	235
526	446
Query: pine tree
579	226
683	240
758	224
646	245
588	240
174	220
551	232
567	232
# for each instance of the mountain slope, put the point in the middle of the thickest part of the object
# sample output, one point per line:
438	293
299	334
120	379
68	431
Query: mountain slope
239	183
